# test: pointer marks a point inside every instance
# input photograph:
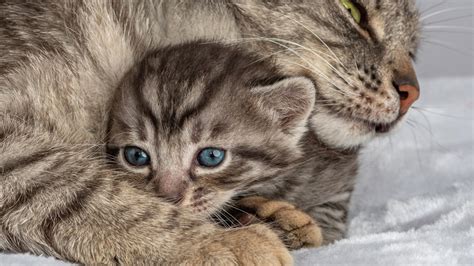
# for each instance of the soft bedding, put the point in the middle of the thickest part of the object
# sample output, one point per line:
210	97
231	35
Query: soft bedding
414	201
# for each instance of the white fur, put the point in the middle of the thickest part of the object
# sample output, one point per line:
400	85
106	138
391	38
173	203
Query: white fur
339	132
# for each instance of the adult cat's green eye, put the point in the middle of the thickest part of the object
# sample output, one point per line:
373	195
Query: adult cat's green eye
211	157
136	156
353	9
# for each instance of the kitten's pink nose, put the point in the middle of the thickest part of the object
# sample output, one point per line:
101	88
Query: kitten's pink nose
170	186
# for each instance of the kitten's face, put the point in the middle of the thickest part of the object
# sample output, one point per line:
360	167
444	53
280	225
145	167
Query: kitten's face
358	52
197	128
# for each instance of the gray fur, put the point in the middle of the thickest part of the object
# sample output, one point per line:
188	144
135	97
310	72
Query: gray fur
61	61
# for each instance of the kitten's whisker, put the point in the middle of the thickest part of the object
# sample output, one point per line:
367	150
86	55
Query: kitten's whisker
222	221
231	216
236	208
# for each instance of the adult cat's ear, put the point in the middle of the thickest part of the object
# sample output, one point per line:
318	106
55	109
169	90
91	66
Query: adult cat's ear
289	102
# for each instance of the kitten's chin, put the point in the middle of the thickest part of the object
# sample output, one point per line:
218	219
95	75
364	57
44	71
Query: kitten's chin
205	205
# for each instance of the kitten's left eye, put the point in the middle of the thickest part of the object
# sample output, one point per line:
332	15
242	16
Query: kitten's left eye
353	9
211	157
136	156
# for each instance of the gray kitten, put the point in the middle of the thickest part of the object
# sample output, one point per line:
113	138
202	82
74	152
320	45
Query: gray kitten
356	52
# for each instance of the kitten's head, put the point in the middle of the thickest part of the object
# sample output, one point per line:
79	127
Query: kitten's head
358	52
199	124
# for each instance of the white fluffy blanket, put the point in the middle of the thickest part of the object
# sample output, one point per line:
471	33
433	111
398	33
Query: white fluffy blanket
414	201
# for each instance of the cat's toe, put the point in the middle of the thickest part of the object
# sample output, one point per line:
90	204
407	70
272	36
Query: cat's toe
296	228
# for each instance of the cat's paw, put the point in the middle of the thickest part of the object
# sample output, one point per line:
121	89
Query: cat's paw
253	245
296	228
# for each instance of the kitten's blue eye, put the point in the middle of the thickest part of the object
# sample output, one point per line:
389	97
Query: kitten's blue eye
136	156
211	157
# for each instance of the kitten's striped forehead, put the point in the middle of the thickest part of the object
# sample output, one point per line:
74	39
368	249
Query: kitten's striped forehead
176	104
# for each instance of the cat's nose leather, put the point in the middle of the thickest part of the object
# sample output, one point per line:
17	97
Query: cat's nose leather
408	95
170	186
406	84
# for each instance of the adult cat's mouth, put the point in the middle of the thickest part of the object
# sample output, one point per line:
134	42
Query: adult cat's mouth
345	131
378	128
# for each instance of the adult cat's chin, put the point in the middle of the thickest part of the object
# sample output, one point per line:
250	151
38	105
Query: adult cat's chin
346	133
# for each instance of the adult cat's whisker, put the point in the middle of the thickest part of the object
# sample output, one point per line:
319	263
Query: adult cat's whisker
316	54
427	32
425	117
428	129
334	56
293	50
420	109
268	56
322	75
447	20
439	12
433	6
339	90
450	47
449	27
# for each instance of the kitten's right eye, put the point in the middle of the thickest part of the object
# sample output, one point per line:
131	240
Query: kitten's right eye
136	156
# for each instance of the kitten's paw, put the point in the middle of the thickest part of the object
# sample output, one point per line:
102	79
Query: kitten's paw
296	228
252	245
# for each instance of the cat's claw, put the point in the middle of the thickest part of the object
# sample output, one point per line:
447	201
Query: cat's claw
296	228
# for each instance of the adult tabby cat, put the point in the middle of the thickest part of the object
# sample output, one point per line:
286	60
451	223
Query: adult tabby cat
357	53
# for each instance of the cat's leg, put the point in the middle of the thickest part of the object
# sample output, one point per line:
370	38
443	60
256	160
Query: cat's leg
296	228
332	218
58	199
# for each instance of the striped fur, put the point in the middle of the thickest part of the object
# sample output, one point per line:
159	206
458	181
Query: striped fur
187	97
61	62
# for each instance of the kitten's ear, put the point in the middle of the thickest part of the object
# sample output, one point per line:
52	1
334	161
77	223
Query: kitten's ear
289	101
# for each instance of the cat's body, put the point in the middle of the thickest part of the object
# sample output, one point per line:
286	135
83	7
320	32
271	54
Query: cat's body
63	60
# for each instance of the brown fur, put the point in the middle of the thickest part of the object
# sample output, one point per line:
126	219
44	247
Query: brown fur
62	61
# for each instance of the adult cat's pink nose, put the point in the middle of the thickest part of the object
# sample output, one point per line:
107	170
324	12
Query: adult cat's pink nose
408	95
406	84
